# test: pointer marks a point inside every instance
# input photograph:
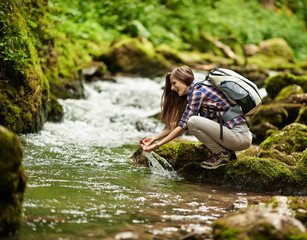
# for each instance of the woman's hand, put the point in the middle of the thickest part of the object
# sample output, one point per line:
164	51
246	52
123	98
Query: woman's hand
149	148
147	141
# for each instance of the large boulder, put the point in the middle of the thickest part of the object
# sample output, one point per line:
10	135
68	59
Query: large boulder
283	105
281	218
275	84
24	89
135	56
278	165
273	54
277	47
12	183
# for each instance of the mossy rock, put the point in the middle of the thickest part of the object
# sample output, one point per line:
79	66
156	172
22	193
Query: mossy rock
273	54
12	183
292	138
54	109
285	95
277	47
135	56
24	88
275	84
278	219
170	54
274	114
271	62
262	131
278	165
263	175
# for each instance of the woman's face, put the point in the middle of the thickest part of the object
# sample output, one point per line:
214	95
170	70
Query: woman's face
179	87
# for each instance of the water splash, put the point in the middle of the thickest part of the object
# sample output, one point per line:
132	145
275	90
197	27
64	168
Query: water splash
159	166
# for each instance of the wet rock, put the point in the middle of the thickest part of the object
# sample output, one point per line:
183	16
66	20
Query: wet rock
54	109
278	165
135	56
94	71
278	219
12	183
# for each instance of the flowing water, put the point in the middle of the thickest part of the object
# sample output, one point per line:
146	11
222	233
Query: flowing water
83	185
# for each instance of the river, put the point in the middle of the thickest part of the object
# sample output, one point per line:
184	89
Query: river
83	185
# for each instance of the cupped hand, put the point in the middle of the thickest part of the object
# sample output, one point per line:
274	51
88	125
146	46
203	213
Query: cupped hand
147	141
149	148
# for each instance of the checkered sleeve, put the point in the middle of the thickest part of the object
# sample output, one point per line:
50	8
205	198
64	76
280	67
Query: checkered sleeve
195	98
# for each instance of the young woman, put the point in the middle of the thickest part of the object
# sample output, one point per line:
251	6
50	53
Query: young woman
186	106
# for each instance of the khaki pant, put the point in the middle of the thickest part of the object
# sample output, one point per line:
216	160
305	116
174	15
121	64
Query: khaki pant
208	132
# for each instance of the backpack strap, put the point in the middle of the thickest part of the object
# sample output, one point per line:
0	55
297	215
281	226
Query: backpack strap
231	113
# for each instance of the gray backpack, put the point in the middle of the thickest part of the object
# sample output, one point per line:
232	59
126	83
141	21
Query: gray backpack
239	91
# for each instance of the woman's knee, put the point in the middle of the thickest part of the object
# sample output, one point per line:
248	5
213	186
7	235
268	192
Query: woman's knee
193	122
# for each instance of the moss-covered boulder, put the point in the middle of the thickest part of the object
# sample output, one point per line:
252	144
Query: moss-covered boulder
281	218
24	88
135	56
277	47
12	183
282	109
275	84
274	114
278	165
286	94
291	139
273	54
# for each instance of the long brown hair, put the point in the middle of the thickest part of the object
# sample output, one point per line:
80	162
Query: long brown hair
173	105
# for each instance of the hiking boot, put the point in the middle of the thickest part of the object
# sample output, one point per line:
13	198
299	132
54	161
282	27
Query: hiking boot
218	160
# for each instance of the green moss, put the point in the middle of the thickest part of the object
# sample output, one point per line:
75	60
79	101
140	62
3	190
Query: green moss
291	139
169	151
263	171
12	183
24	88
136	56
285	95
222	231
271	62
299	205
275	83
277	155
275	114
301	168
190	152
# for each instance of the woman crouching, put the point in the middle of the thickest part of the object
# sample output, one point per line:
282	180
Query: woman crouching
187	105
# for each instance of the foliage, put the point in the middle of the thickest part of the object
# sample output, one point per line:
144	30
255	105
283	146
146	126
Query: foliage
13	48
180	23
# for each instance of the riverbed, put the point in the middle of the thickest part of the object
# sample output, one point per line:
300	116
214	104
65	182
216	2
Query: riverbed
83	185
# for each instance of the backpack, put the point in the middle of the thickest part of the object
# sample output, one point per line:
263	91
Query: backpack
240	91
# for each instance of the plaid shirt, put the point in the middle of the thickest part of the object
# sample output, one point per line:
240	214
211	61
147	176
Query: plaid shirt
207	101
